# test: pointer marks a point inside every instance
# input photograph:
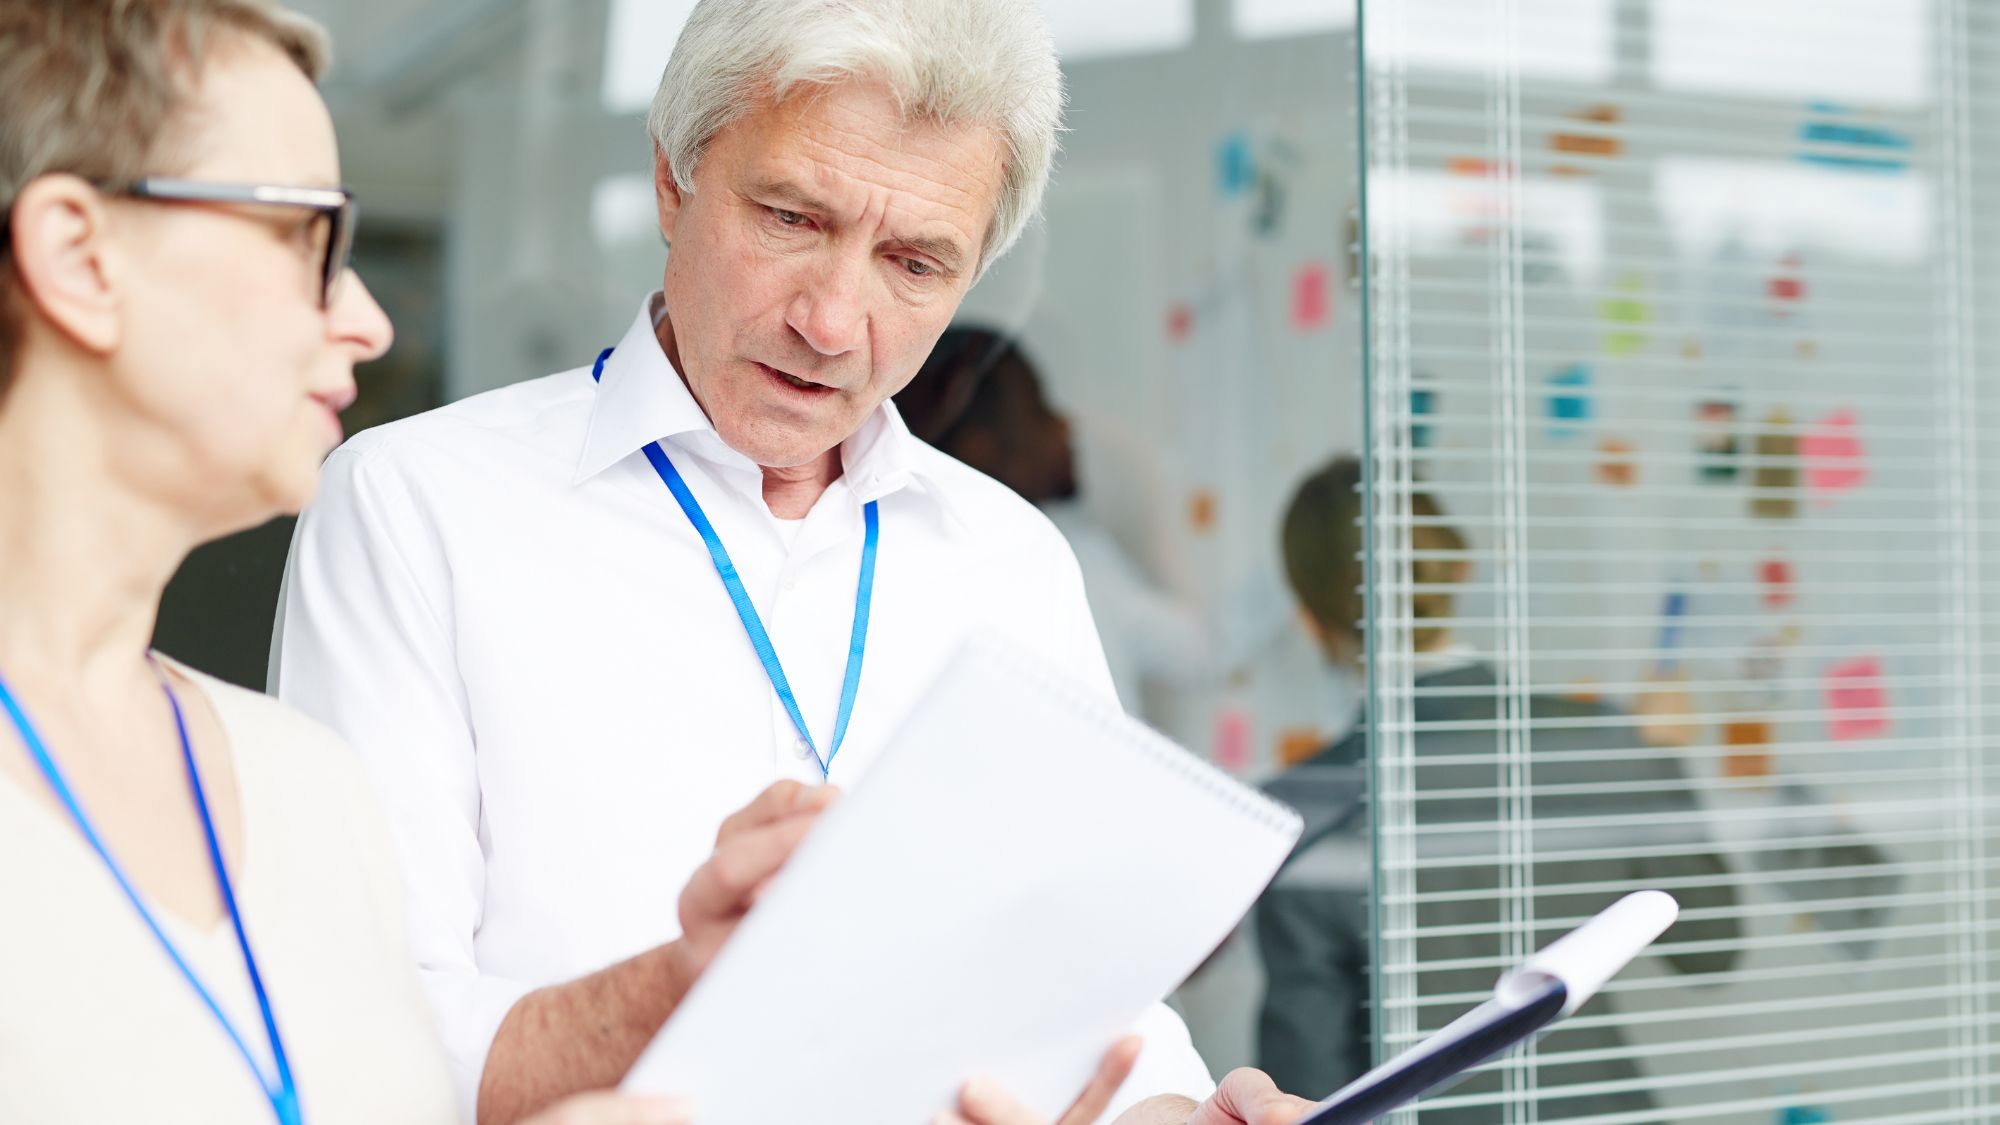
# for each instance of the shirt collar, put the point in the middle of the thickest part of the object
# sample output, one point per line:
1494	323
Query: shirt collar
642	399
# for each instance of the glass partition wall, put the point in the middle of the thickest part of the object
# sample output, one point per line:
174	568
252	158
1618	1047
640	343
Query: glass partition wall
1677	521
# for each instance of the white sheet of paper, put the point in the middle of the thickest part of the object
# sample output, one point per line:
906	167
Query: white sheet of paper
1021	874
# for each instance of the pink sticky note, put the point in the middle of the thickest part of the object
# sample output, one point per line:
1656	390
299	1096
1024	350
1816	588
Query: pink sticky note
1312	297
1834	462
1232	739
1857	705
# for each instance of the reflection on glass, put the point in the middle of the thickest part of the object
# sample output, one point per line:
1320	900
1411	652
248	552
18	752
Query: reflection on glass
1569	40
1771	207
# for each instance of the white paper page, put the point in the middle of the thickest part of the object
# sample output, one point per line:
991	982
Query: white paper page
1018	877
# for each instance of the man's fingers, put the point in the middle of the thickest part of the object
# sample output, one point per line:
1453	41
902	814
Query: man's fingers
1111	1073
1249	1097
723	886
779	800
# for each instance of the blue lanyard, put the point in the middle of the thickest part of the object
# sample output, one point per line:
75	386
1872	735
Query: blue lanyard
284	1096
747	613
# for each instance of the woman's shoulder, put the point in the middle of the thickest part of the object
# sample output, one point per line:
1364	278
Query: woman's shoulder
274	737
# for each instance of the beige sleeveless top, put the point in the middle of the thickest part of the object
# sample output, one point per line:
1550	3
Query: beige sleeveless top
96	1025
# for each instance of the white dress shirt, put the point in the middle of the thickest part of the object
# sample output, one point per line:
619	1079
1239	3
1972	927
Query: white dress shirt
502	607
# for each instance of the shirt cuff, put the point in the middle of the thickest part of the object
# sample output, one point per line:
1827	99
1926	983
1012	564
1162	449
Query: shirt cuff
469	1009
1168	1064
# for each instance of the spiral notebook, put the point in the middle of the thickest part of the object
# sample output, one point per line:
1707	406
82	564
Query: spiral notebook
1021	874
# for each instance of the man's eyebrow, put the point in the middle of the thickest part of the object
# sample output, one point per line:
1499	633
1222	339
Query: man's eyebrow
793	196
945	250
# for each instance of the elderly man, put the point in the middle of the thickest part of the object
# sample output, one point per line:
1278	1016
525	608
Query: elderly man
573	624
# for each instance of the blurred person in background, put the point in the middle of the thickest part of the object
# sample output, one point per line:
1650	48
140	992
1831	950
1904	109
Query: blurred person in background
204	914
1313	930
979	398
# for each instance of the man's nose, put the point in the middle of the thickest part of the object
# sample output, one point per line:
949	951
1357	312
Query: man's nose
830	311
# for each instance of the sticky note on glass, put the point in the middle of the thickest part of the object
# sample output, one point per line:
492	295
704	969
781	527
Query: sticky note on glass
1776	576
1625	316
1857	704
1832	456
1180	322
1312	297
1616	463
1569	400
1232	739
1423	403
1776	477
1235	165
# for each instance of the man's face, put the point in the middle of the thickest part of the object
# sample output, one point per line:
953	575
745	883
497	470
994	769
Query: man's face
226	354
825	247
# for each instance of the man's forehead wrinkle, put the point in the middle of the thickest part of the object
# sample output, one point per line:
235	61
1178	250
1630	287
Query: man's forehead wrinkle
858	141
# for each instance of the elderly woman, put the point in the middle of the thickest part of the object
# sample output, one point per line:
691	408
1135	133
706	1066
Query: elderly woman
203	914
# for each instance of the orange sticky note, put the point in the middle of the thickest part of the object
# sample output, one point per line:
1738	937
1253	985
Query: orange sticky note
1615	466
1201	511
1297	744
1740	761
1857	704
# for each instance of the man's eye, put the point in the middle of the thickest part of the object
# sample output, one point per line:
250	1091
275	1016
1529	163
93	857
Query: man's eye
918	268
788	218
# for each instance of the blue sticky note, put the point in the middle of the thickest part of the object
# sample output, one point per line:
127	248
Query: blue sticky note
1422	404
1881	149
1235	165
1569	399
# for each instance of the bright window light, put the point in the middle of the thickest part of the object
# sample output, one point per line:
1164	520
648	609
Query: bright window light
1427	213
1567	40
1771	207
1875	53
1276	19
639	35
622	210
1086	29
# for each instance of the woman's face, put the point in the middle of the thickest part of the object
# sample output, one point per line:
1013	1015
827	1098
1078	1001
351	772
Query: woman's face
226	362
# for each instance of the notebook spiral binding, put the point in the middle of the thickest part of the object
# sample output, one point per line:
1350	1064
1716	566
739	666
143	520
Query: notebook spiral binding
1144	740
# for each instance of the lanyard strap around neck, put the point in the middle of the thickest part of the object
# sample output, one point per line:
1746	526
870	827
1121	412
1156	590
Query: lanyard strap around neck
283	1094
753	624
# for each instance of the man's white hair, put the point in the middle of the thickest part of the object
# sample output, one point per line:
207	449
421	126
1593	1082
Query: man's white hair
955	62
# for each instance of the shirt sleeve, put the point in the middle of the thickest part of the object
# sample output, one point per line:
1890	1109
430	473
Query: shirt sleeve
365	645
1168	1064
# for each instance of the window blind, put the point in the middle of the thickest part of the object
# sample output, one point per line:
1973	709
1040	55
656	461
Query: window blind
1675	311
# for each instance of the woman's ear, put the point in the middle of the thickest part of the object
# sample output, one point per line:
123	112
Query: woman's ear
67	260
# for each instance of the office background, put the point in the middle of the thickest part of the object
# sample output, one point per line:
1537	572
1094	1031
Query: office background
1676	308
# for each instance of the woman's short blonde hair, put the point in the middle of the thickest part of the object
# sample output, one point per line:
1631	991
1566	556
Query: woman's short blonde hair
98	89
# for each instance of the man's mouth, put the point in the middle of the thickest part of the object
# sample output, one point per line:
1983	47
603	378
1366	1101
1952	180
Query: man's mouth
793	381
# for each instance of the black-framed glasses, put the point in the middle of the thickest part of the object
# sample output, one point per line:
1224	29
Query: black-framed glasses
334	205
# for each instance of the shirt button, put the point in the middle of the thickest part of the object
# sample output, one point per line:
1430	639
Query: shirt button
802	748
791	583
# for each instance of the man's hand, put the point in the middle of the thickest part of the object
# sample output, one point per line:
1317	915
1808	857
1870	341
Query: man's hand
750	847
980	1102
1245	1097
584	1035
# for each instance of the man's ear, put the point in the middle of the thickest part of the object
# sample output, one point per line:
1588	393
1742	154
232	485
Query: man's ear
667	193
67	260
